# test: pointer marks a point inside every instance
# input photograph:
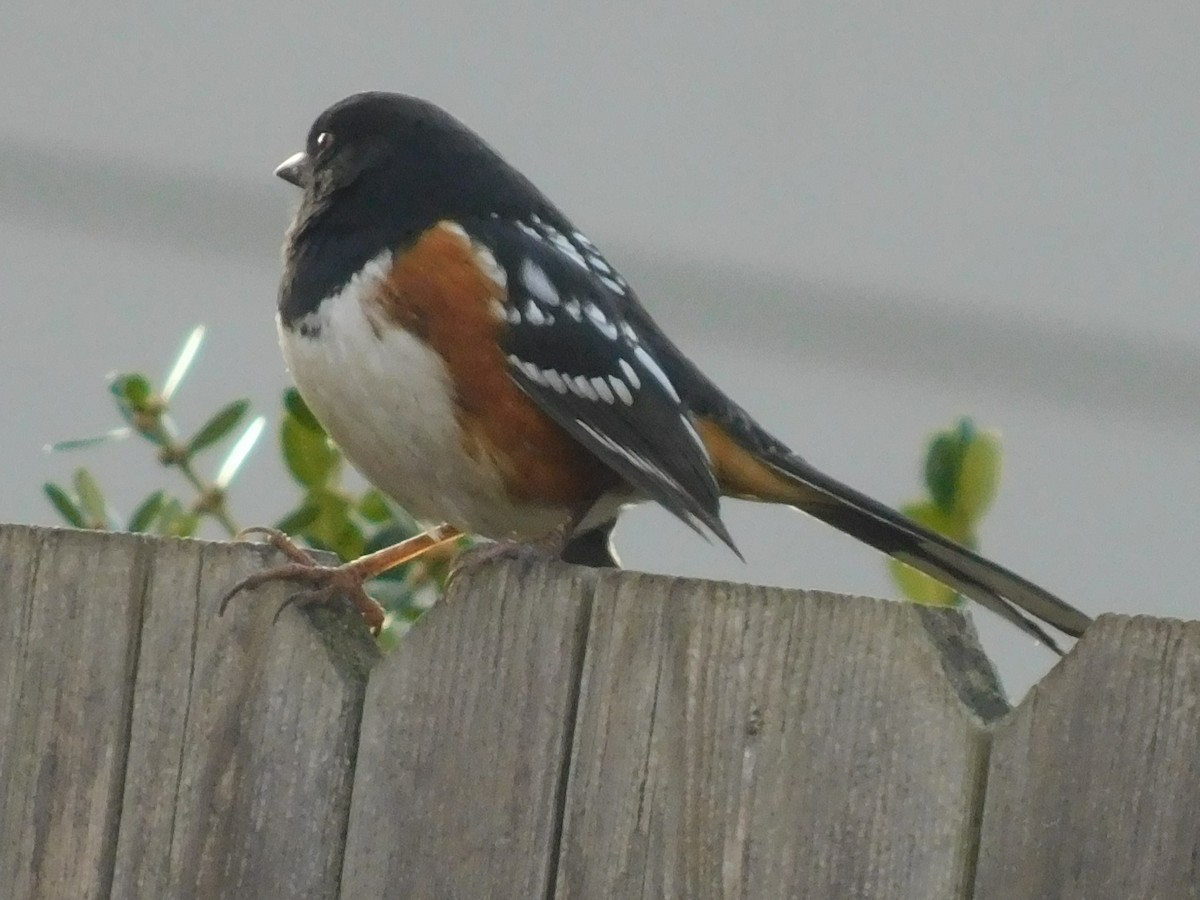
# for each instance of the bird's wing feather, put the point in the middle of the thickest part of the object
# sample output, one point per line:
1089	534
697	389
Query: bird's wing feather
571	349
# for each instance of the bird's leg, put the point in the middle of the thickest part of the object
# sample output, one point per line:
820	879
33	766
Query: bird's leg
547	546
324	583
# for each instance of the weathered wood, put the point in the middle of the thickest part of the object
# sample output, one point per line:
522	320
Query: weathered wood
69	608
1094	784
268	738
157	750
548	731
463	749
735	741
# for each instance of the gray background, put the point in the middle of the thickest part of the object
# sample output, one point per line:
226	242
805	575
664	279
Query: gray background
863	220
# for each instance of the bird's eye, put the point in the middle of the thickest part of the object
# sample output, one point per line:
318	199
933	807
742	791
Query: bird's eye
324	140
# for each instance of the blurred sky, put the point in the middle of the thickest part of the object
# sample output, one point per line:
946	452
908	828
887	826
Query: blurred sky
862	219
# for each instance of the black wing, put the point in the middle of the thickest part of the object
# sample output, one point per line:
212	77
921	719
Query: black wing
572	349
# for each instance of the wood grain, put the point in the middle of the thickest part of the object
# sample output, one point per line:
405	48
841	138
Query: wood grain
548	731
745	742
150	749
465	739
1094	784
70	603
267	739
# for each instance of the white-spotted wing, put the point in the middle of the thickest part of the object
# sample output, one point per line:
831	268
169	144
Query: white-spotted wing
572	350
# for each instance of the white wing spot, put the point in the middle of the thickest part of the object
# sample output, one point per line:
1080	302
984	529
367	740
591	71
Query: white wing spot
621	389
573	309
582	387
487	263
601	321
534	314
599	264
538	283
611	283
455	229
555	380
513	315
602	389
539	229
655	369
498	310
564	245
533	373
630	374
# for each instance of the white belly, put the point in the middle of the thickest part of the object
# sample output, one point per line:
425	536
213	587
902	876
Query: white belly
387	400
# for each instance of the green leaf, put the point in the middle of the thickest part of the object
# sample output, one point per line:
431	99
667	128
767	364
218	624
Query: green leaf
115	434
979	476
91	499
139	408
937	519
920	588
185	525
168	515
216	428
917	586
175	521
310	457
941	468
295	405
134	389
64	504
143	517
374	507
332	528
299	518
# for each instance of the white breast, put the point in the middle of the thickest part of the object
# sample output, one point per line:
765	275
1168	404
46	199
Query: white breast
386	399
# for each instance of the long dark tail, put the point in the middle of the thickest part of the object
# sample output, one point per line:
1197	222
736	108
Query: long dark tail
789	479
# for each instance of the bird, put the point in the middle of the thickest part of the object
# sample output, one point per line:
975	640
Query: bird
478	359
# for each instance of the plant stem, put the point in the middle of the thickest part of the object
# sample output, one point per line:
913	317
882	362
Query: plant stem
218	510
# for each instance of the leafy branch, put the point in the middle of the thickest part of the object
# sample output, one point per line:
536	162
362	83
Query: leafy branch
962	475
326	516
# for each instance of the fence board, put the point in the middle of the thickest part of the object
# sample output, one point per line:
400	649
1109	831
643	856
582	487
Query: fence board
549	731
154	750
65	740
735	741
1095	782
245	734
465	740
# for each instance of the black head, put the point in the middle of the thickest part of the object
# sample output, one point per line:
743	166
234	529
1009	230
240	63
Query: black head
378	157
377	170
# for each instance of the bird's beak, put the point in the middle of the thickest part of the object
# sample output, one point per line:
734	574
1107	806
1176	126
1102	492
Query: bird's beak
293	168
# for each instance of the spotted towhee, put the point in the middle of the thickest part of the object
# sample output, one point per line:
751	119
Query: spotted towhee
480	361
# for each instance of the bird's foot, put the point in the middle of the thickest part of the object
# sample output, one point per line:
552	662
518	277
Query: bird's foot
547	547
324	584
473	558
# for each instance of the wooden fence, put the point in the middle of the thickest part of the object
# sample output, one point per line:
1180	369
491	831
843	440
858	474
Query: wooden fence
554	732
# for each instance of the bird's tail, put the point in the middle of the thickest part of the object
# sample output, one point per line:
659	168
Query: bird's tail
786	478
